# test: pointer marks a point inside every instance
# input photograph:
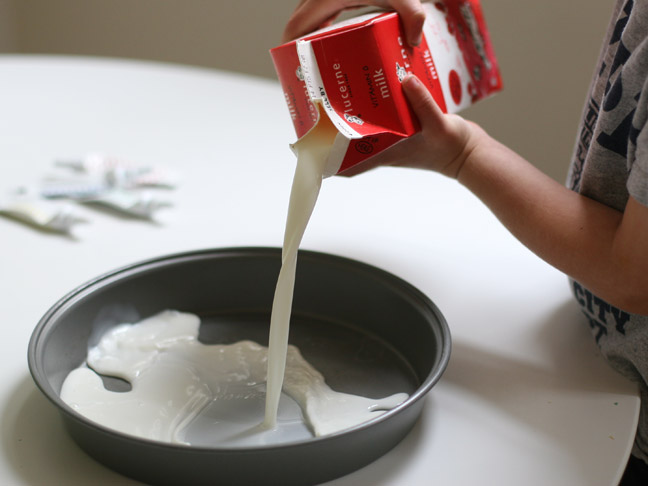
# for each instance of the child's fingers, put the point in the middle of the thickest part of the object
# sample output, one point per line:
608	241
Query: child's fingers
312	14
426	109
309	16
413	17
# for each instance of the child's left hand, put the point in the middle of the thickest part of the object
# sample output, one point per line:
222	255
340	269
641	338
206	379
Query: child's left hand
442	145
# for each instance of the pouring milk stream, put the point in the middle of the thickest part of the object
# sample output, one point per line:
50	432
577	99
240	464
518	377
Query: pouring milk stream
312	152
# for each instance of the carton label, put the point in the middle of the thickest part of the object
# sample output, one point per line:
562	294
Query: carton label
353	70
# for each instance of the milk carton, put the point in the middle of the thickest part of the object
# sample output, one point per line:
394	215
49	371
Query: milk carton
351	73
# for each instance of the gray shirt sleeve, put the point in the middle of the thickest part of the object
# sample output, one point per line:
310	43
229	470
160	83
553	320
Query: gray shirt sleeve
638	149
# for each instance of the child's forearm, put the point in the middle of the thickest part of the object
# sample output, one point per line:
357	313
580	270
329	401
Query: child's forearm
602	248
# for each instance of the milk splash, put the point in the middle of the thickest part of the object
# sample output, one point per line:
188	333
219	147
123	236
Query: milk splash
187	392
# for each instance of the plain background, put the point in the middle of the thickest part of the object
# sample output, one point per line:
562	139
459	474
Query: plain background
546	49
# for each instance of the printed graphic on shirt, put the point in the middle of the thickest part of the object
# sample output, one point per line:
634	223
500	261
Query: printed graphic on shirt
616	138
603	317
584	141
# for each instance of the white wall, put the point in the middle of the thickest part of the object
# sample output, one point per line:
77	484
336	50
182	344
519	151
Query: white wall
7	26
233	34
546	49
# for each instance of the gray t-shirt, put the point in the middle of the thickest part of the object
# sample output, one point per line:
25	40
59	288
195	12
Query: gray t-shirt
610	162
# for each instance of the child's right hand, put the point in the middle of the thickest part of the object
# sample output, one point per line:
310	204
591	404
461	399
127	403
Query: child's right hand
442	145
311	15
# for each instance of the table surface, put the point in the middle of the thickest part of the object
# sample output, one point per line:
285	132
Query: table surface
526	399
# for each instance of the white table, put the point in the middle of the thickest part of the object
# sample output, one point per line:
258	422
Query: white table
526	398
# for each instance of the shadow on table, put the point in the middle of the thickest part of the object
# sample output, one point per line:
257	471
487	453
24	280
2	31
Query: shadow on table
534	394
42	231
39	449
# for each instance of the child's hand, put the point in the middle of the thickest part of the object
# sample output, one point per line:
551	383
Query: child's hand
442	145
314	14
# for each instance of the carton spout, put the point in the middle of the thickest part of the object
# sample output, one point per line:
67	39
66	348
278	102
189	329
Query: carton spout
331	144
349	76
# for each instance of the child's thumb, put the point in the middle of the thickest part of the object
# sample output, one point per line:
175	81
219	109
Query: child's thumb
426	109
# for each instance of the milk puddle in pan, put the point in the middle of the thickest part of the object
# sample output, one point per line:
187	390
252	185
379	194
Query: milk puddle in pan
184	391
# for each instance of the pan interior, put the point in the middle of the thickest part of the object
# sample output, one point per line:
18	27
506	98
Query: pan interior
352	360
367	332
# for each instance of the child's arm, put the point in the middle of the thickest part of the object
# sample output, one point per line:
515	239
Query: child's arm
604	249
313	14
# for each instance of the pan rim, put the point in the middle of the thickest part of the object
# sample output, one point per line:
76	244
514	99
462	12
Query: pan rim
83	290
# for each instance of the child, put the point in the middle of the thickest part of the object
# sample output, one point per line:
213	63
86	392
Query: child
595	230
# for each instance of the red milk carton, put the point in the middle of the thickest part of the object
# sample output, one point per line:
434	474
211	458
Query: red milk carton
353	70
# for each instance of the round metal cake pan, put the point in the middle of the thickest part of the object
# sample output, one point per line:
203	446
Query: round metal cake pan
369	333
